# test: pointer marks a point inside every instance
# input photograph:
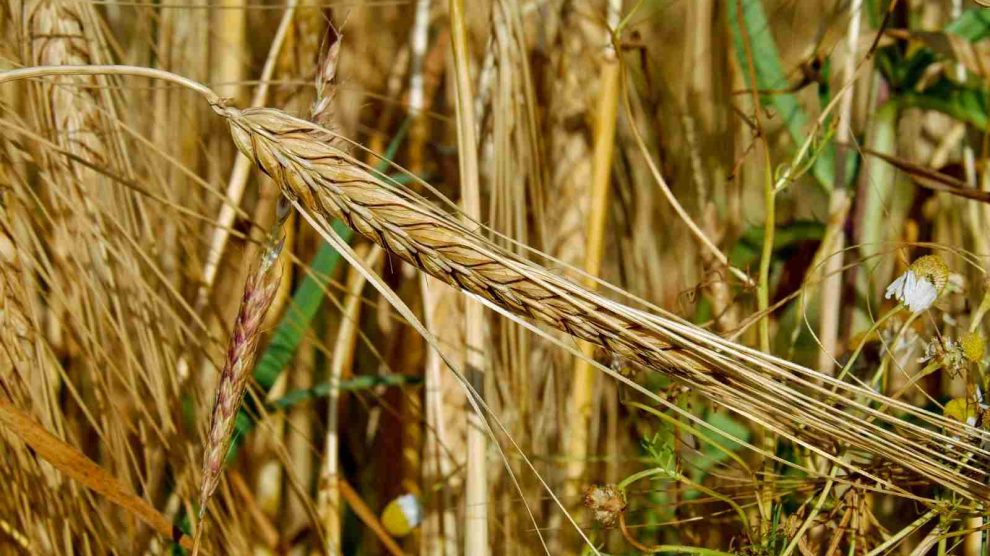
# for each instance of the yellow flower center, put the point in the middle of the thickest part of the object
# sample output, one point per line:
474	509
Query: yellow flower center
973	346
932	269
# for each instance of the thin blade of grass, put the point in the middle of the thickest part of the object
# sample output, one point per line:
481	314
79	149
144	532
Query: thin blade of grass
356	384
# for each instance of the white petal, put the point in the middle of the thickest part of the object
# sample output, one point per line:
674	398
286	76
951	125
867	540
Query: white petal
896	288
410	507
910	284
921	296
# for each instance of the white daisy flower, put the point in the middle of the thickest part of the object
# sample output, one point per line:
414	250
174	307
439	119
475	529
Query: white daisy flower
921	284
402	515
917	293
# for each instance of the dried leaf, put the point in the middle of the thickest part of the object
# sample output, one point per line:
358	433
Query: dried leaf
75	465
931	179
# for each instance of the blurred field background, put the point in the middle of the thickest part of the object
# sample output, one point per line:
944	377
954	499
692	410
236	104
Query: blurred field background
647	143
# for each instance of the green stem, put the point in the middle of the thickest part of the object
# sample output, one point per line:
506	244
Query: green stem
624	483
766	257
859	347
884	363
647	473
765	495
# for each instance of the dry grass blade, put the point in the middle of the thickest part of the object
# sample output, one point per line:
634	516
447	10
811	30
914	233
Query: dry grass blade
932	179
786	397
77	466
476	476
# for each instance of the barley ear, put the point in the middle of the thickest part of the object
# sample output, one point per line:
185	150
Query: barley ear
259	291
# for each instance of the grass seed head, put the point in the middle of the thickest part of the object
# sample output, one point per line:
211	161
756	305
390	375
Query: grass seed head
259	291
329	184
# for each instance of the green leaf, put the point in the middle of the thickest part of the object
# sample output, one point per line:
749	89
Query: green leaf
904	69
770	77
244	423
787	236
660	447
905	72
731	427
711	455
973	25
306	301
966	104
361	382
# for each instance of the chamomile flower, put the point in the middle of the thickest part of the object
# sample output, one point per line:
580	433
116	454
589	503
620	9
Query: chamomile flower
921	283
402	515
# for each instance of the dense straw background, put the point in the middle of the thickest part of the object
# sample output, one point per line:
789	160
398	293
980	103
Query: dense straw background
753	170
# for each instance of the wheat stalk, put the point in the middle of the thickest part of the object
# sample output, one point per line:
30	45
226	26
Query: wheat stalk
791	400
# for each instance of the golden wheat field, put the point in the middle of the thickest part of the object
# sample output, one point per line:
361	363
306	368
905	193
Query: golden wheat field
494	277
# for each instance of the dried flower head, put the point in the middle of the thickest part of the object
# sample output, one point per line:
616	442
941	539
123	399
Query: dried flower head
606	503
921	283
973	346
947	353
